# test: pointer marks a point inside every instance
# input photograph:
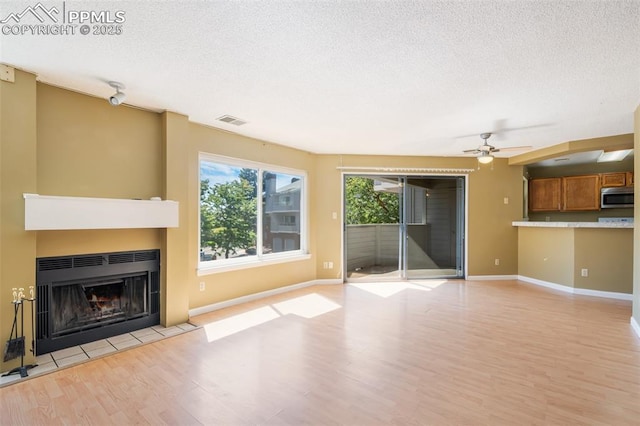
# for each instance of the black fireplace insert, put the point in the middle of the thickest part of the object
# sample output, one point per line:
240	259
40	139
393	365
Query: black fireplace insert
85	298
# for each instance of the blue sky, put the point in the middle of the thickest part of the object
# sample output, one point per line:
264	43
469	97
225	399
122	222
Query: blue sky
219	173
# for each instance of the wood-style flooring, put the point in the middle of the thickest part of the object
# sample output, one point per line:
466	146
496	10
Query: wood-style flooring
421	353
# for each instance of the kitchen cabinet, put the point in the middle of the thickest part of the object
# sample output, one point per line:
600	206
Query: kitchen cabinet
545	194
570	193
629	178
613	179
581	193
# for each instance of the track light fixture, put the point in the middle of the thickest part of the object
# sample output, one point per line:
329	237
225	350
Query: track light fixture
119	96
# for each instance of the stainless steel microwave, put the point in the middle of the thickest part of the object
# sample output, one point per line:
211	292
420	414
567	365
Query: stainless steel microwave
616	198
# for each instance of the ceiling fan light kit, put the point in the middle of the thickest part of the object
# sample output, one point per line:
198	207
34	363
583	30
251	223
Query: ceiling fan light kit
485	158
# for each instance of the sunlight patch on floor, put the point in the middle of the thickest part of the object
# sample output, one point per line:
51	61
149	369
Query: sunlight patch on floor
387	289
228	326
309	306
431	284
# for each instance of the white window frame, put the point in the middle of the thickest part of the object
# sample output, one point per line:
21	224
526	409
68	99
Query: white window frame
259	259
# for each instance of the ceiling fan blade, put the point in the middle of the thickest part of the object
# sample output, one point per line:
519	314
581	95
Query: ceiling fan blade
533	126
515	148
469	151
499	127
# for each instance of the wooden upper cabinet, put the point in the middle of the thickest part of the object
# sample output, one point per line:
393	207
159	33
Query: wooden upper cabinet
613	179
544	194
581	193
629	178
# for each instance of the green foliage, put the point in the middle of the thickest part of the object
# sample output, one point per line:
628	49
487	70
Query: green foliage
365	206
251	176
228	214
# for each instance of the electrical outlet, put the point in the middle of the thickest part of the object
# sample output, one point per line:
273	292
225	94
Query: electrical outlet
325	265
584	272
330	265
506	200
497	262
202	285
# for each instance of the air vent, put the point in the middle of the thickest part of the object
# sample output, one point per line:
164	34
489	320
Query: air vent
231	120
120	258
55	263
81	262
142	256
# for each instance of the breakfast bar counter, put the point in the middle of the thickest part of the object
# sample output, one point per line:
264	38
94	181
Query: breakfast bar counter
529	224
579	257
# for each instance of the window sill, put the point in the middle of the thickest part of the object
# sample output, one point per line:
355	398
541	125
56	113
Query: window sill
208	270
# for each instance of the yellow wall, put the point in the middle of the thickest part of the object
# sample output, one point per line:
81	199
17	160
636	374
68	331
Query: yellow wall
557	255
490	234
608	255
62	243
327	193
17	176
176	269
547	254
87	148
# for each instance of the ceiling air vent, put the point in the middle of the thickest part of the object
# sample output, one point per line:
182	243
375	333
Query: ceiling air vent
231	120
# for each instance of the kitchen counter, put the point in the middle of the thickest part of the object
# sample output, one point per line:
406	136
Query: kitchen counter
573	224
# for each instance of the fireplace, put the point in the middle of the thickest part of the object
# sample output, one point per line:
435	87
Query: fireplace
90	297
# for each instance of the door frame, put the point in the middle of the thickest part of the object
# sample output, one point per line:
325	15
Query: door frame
400	173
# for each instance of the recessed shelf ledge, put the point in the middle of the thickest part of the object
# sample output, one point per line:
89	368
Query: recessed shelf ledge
49	212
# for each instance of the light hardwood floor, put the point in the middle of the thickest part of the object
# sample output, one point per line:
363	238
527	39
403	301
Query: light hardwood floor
433	352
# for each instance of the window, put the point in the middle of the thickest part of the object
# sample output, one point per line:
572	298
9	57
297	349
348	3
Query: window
285	200
288	220
249	212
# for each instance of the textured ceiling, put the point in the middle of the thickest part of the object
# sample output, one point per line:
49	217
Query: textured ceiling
362	77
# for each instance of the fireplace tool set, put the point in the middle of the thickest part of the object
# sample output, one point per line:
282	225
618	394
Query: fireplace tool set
15	346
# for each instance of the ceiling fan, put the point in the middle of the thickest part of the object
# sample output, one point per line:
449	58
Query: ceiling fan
485	151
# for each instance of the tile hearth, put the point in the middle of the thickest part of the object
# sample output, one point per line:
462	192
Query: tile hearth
77	354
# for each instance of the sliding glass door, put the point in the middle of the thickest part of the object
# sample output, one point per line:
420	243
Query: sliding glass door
373	208
403	227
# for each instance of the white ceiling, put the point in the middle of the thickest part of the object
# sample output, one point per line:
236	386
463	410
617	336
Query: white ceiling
360	77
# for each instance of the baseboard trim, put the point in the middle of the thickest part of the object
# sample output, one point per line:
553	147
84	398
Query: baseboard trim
635	326
546	284
328	281
491	277
605	294
261	295
573	290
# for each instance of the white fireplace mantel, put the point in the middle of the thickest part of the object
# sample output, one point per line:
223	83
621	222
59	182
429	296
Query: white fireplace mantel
47	212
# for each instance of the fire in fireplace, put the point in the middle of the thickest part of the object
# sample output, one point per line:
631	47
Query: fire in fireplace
90	297
86	304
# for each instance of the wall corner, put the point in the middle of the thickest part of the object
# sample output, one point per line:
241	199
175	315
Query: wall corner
175	249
